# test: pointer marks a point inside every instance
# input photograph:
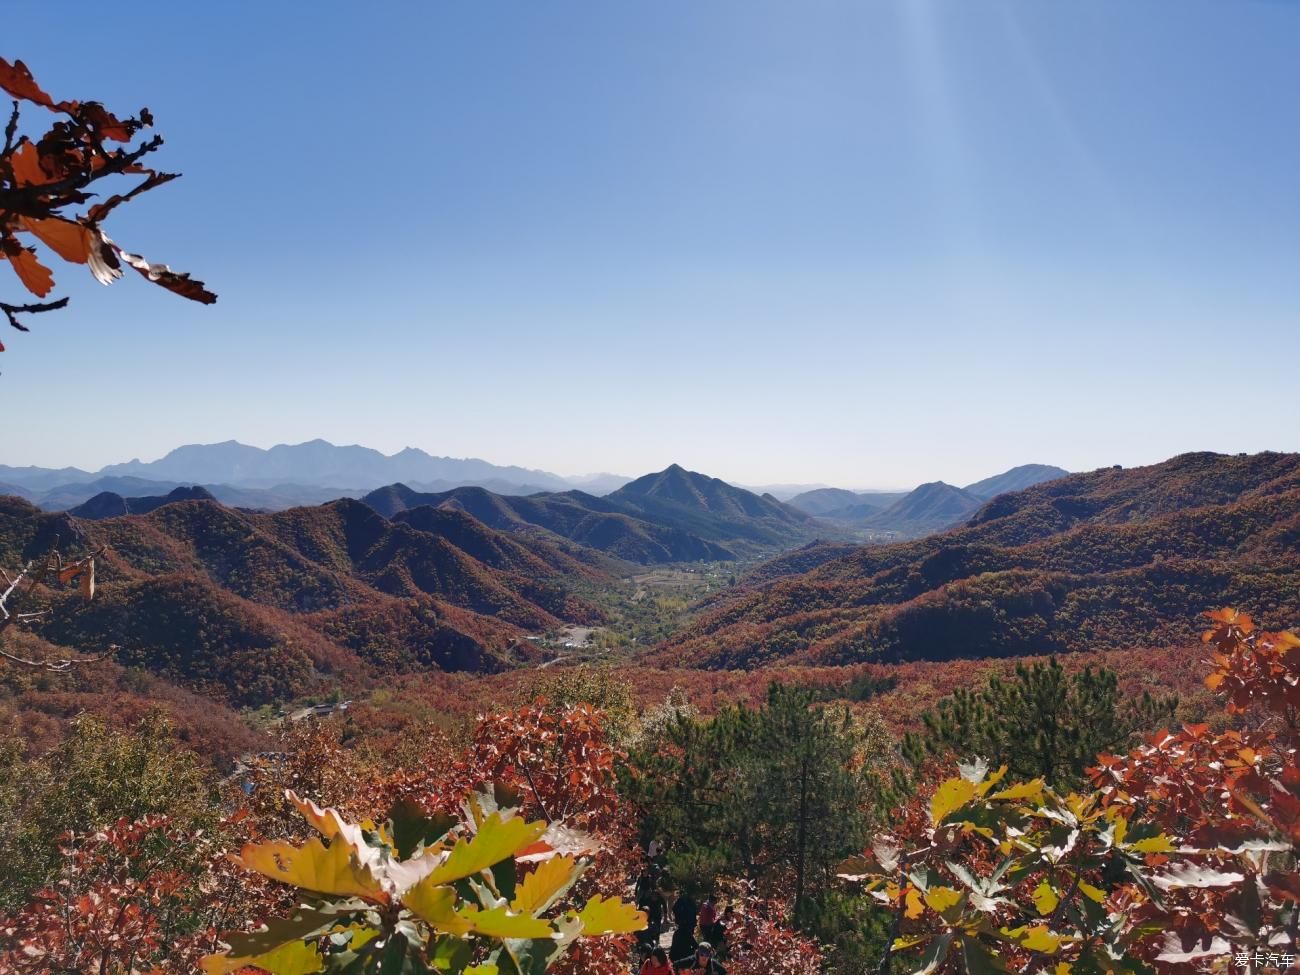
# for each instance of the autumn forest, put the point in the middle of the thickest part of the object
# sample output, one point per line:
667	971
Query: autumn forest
319	708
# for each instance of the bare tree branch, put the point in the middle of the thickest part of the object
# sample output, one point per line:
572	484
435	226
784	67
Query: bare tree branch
12	311
34	574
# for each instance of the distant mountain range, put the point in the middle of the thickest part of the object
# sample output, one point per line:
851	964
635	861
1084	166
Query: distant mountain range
1109	559
315	472
296	474
929	508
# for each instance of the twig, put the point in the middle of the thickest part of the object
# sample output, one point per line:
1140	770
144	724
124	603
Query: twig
537	795
35	577
27	199
12	311
63	665
5	616
11	130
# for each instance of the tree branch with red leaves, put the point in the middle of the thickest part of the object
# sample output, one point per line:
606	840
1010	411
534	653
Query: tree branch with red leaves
43	177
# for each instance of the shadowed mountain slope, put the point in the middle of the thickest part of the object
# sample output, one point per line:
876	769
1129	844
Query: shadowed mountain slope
108	504
574	515
257	607
1112	558
714	509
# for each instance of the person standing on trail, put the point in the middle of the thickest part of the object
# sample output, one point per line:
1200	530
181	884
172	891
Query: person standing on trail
708	917
685	913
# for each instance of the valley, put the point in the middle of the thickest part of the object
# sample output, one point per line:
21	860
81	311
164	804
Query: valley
256	608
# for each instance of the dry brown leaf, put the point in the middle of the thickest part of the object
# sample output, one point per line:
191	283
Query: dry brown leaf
161	274
67	238
35	276
26	161
18	81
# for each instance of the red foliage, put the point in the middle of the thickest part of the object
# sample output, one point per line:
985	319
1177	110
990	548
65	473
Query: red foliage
115	906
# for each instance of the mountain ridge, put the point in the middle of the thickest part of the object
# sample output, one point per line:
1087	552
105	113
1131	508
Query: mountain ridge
1113	558
257	607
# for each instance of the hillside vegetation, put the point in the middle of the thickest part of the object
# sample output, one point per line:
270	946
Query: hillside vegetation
1112	558
256	608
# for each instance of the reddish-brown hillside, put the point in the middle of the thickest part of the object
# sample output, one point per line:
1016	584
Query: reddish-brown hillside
263	607
1112	558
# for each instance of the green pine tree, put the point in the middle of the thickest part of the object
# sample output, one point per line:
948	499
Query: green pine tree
1042	723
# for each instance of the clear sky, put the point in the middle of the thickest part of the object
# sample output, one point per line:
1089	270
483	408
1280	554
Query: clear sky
866	243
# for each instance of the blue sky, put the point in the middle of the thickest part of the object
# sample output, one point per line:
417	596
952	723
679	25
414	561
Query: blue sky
867	243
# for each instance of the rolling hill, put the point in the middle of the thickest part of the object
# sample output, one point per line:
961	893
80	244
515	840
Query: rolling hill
670	516
823	501
1108	559
930	508
1016	479
714	509
261	607
571	515
108	504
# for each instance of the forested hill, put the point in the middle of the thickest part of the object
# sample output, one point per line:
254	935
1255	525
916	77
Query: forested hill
573	515
254	607
671	516
1111	558
714	509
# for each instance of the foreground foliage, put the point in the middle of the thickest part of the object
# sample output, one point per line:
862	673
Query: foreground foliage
1182	858
421	893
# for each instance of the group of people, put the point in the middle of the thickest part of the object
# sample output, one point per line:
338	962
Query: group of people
687	953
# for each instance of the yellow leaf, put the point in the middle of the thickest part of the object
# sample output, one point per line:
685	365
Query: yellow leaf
293	958
1025	790
485	969
992	779
953	794
942	898
1063	968
314	866
1092	892
1040	938
915	906
610	916
1121	829
496	840
500	923
1153	844
545	885
1045	898
436	906
327	822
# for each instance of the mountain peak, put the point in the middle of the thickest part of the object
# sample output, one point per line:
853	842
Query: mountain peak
1016	479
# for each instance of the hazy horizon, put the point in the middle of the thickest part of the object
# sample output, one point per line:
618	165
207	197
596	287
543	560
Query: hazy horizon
951	477
860	245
